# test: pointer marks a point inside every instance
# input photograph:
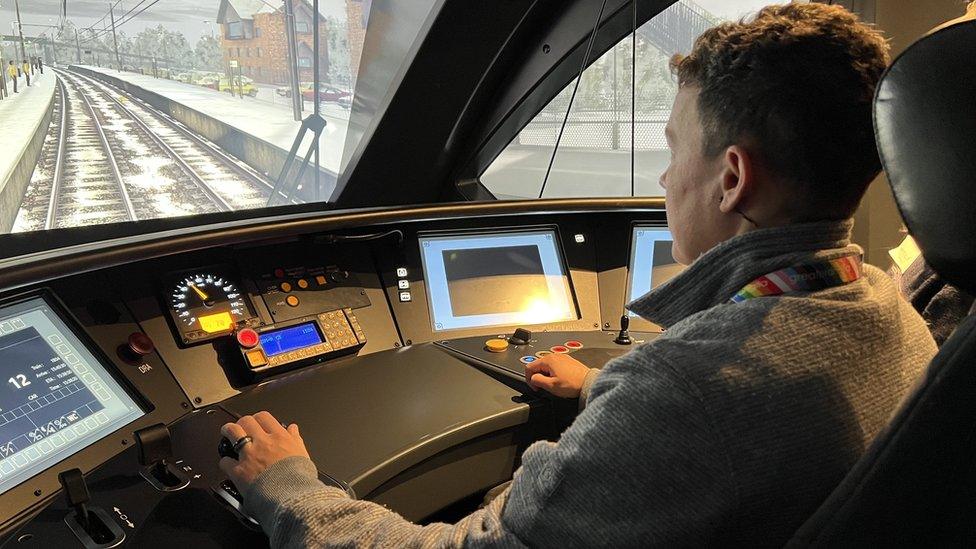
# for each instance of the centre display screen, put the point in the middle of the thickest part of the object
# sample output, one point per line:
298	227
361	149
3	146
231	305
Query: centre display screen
500	279
289	339
651	260
56	398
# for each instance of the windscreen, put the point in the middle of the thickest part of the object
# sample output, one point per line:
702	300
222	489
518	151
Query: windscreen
132	110
495	280
56	398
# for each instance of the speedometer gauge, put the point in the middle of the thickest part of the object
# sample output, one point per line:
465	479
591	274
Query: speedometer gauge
207	304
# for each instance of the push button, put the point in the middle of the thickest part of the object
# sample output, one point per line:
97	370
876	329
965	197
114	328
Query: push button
559	349
256	358
574	345
320	280
528	359
302	283
496	345
247	338
292	301
541	354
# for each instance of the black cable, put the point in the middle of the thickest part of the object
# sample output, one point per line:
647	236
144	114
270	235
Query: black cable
340	238
579	76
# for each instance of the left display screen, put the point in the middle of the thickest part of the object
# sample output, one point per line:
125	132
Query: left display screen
56	398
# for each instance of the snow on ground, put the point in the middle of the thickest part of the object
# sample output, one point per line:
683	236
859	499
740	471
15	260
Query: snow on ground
270	121
20	114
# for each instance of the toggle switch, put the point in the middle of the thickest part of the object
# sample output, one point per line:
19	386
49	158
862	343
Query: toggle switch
155	448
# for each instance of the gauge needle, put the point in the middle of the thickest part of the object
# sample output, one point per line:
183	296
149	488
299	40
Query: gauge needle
200	293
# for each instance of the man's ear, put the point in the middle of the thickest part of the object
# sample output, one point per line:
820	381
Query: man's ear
737	179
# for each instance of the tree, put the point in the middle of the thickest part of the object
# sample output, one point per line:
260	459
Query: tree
207	54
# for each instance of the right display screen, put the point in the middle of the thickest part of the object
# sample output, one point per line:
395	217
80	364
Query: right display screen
651	261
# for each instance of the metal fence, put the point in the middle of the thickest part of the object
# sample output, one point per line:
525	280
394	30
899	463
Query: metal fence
597	130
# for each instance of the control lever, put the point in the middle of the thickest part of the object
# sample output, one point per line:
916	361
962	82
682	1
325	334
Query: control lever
520	337
623	337
155	448
93	527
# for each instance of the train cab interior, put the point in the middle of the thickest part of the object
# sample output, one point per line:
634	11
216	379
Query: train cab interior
368	218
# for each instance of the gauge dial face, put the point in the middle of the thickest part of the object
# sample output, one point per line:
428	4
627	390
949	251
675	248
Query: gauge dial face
205	305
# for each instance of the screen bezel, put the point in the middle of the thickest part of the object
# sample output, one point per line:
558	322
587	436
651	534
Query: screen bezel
500	231
72	324
636	322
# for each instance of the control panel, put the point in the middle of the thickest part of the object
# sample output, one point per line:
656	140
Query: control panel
300	342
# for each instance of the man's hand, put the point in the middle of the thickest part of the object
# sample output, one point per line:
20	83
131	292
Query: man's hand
270	443
559	374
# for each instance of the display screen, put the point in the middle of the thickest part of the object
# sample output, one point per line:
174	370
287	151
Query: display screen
651	261
57	398
495	280
289	339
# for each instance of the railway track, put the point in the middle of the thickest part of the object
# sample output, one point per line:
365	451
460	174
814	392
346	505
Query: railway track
109	158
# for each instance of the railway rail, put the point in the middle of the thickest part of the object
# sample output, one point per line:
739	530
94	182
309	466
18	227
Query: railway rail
109	157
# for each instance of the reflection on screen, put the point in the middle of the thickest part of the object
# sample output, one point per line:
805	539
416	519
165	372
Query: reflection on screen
494	280
651	261
56	397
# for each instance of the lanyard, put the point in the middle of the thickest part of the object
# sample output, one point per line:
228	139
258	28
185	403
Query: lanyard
808	277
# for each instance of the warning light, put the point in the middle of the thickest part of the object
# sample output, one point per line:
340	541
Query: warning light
218	322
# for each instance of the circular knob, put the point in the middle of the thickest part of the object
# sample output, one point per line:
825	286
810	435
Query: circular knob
339	276
140	344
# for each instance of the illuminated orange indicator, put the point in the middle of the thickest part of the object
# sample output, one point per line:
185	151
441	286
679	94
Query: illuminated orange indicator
217	322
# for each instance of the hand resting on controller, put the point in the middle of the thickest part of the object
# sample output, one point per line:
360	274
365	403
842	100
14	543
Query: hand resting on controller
270	443
558	374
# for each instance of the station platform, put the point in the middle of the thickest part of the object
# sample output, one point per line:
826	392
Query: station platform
21	115
263	117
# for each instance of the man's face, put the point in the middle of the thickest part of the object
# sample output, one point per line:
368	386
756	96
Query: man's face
692	184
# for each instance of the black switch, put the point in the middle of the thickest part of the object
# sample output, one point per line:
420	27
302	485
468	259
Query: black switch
154	444
623	338
76	492
520	337
92	526
155	448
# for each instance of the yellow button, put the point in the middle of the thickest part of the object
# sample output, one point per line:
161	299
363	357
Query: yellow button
496	345
320	280
292	301
302	283
256	358
285	287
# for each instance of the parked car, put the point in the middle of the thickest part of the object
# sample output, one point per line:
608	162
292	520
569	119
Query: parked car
327	93
234	87
285	91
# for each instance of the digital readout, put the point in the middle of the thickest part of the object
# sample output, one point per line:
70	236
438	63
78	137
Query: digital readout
289	339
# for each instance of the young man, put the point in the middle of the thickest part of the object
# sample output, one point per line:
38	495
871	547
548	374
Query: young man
783	358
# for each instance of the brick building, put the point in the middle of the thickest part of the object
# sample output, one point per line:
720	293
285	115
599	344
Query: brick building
357	16
252	32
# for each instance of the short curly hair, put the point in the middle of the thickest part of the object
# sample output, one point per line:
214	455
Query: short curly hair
796	83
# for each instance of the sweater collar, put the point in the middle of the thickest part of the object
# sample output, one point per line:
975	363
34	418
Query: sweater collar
725	269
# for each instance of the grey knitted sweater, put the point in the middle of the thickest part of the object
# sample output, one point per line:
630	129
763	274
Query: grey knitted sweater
729	429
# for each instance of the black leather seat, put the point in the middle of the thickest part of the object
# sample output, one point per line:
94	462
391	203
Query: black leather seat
916	485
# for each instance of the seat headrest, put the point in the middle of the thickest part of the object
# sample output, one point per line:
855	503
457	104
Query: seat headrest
925	125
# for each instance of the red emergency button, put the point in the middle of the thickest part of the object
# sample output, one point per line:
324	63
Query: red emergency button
248	338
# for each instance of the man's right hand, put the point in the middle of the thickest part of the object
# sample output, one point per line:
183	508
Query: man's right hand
559	374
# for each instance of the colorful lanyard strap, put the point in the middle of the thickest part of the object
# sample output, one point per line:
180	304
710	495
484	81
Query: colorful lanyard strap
809	277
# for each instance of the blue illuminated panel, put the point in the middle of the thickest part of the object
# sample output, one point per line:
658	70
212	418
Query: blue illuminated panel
289	339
